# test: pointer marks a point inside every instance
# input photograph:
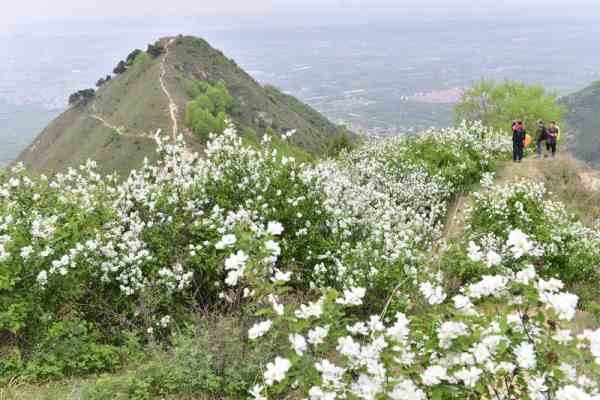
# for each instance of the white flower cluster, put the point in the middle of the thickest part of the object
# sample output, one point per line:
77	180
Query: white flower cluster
387	207
543	223
492	340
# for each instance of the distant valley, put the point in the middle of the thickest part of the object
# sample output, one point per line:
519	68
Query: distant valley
384	80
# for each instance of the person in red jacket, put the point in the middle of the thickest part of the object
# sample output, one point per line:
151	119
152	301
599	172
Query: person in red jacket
518	140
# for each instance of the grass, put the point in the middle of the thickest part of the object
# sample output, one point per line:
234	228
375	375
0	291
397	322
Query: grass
72	389
575	185
255	106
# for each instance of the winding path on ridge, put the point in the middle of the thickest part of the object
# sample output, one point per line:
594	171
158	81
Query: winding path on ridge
173	109
118	129
107	124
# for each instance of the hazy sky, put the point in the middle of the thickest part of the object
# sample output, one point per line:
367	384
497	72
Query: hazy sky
15	12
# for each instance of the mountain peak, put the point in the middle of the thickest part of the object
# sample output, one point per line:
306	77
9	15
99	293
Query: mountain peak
155	90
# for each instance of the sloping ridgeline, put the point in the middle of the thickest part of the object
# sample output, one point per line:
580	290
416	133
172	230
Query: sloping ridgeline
115	125
583	119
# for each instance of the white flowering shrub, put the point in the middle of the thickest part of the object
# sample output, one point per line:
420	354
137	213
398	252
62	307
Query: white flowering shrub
141	254
331	262
521	220
508	335
388	202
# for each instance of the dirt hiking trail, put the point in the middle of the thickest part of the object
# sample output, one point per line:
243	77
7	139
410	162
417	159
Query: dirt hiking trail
173	109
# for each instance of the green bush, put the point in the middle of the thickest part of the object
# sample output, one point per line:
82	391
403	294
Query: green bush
216	362
497	104
458	160
132	56
340	142
11	364
70	348
207	113
128	387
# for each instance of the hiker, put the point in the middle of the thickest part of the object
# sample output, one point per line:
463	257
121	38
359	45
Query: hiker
518	140
553	132
541	135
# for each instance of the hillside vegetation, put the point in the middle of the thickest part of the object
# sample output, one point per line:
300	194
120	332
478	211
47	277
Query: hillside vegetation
246	274
496	104
152	90
583	119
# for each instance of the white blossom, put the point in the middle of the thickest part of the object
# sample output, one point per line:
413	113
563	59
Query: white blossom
42	277
519	243
317	335
525	355
298	343
226	241
259	329
407	390
434	375
274	228
276	370
433	294
257	391
352	297
235	264
469	376
450	330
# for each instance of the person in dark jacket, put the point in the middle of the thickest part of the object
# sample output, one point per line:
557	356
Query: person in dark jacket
552	137
541	135
518	140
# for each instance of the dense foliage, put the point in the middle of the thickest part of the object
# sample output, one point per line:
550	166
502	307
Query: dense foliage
497	104
155	49
207	112
570	250
120	68
334	273
102	81
81	96
132	56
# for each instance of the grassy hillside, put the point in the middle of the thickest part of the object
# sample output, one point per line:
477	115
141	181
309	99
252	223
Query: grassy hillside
116	126
583	120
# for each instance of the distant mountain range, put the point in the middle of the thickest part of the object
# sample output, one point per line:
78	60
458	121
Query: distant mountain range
178	85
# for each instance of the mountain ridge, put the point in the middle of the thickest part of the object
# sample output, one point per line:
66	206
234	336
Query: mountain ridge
150	92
